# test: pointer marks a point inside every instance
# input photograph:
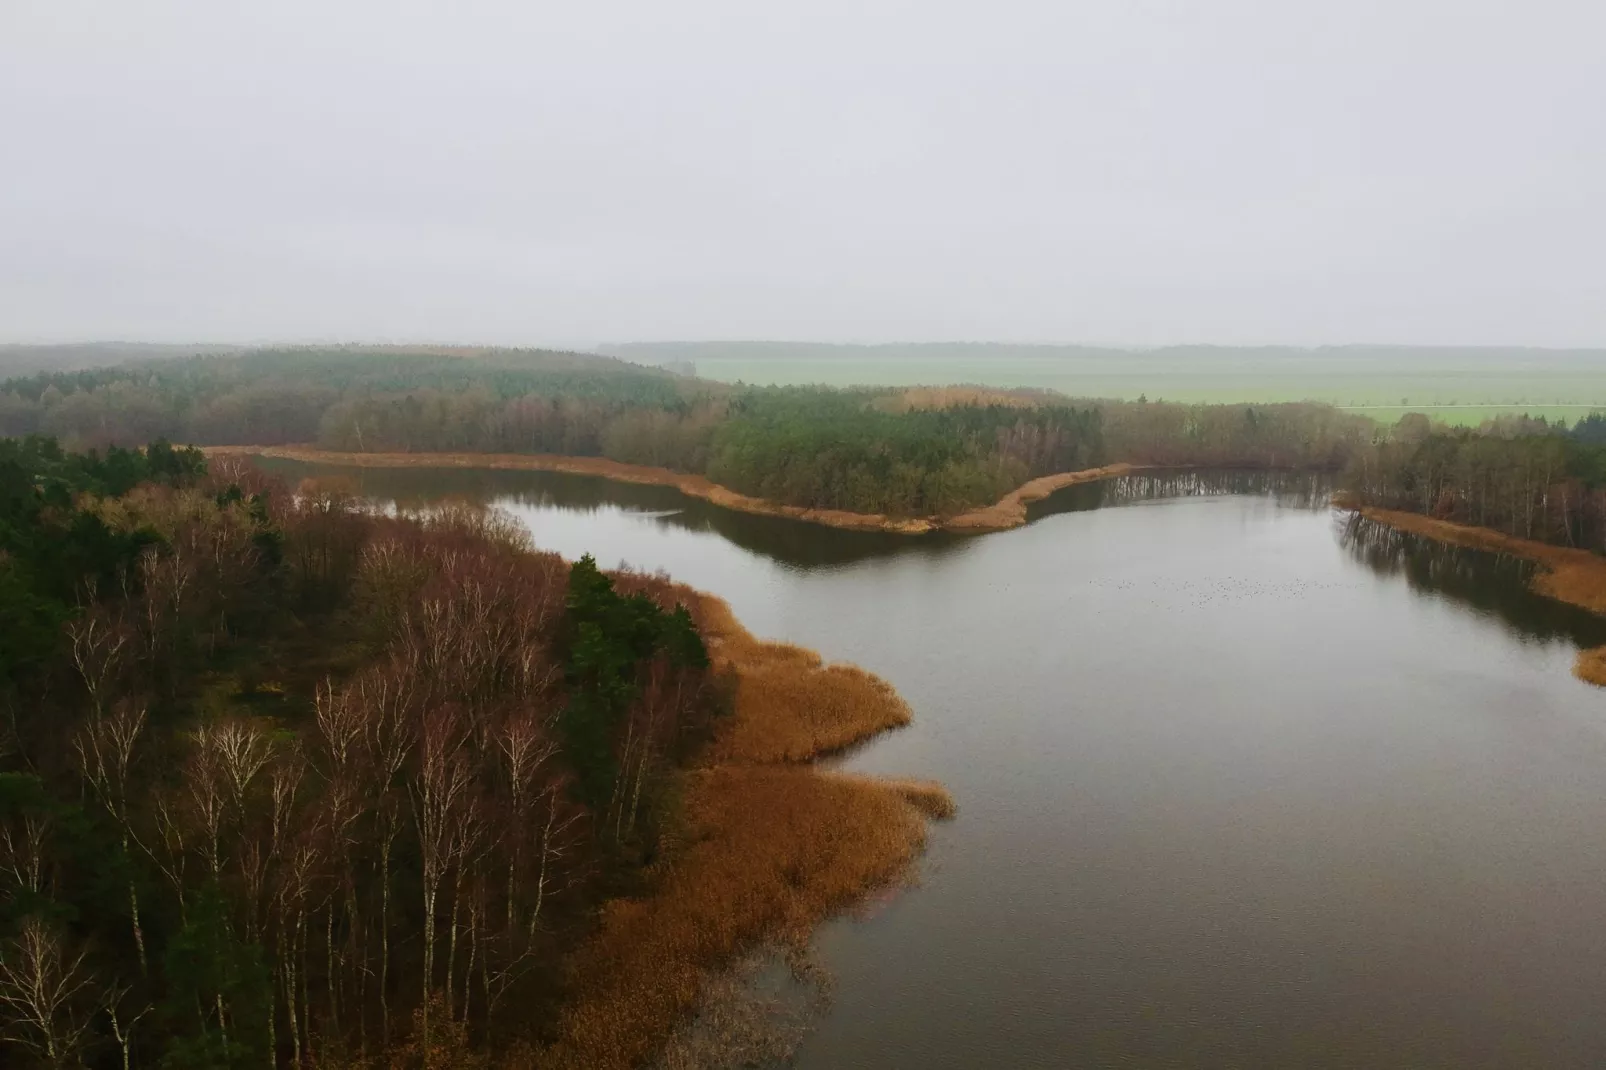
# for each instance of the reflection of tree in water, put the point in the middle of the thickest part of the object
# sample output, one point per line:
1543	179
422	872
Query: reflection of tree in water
805	545
1496	584
790	542
1295	490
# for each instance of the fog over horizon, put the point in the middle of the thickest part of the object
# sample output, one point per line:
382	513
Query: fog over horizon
1108	173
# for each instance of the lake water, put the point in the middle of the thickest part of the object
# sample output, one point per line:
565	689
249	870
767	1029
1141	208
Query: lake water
1241	784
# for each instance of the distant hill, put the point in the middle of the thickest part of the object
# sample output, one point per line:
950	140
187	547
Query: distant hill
659	353
25	359
1458	384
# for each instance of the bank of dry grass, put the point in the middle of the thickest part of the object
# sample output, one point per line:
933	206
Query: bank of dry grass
1590	666
1576	577
767	846
790	705
771	852
927	796
1010	510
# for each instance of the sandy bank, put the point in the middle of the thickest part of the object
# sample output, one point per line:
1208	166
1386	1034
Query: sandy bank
1576	577
1008	512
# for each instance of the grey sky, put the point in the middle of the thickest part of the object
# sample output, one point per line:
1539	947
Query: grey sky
1233	171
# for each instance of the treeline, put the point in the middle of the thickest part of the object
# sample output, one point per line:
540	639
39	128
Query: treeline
915	452
433	397
1292	435
1524	477
841	449
286	782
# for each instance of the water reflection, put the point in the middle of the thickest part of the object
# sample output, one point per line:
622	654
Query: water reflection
1494	584
1294	490
1490	583
794	544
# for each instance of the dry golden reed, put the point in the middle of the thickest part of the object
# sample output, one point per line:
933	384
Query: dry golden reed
1590	666
1576	577
773	850
790	705
1010	510
769	846
927	796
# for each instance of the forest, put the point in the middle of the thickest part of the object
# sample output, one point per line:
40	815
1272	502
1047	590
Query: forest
894	451
1524	477
284	781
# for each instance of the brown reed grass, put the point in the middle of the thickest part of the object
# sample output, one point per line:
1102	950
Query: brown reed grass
927	796
1590	666
1010	510
744	1019
772	851
791	706
1576	577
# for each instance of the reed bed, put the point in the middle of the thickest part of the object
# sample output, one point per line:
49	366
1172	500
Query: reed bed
791	706
1590	666
756	1013
1576	577
772	851
927	796
767	847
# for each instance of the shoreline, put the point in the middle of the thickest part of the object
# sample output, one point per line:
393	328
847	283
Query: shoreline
1008	512
768	845
1576	577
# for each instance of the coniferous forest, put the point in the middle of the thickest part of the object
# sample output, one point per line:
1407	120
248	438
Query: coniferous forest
286	781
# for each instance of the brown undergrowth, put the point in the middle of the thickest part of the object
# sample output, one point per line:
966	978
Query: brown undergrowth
1576	577
768	846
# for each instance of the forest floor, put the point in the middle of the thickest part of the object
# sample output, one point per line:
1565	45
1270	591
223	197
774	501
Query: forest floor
1576	577
768	846
1007	512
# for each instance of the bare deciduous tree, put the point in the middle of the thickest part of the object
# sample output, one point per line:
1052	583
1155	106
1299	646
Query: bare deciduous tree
44	987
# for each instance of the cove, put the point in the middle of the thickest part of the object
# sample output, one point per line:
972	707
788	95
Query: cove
1241	782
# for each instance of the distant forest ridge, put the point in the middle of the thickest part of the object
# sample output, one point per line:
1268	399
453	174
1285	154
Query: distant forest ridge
892	451
661	352
21	358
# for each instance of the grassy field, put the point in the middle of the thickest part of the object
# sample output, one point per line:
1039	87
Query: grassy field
1461	386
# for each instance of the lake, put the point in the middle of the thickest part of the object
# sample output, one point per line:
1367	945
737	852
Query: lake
1241	782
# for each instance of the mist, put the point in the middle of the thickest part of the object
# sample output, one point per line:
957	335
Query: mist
1111	172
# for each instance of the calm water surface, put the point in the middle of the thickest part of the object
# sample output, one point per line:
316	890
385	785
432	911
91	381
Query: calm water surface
1241	784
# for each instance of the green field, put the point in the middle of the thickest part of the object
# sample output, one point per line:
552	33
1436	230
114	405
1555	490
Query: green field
1462	386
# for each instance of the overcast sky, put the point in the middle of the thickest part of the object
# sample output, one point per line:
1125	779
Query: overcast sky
521	171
